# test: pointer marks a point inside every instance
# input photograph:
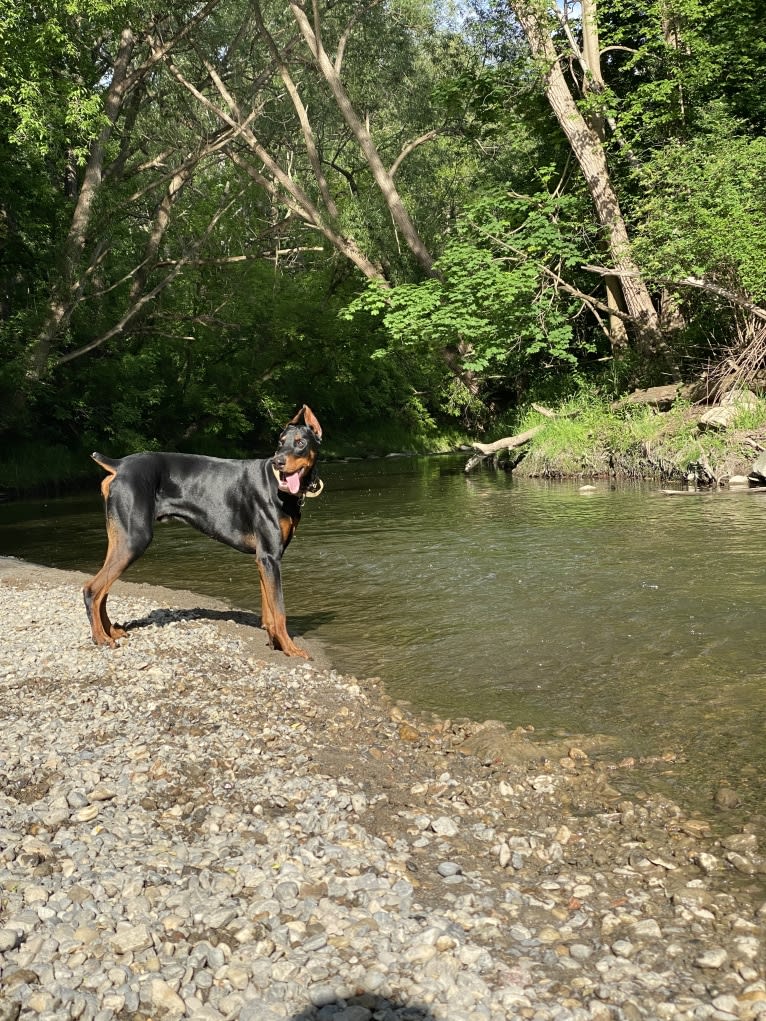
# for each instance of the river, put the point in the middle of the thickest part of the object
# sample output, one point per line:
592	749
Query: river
621	611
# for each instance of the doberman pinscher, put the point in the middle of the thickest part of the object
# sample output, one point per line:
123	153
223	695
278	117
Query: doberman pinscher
252	505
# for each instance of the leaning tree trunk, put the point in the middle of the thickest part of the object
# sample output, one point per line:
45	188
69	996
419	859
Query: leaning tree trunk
65	292
593	81
589	153
382	177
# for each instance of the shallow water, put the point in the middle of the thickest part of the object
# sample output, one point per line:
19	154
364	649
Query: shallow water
621	612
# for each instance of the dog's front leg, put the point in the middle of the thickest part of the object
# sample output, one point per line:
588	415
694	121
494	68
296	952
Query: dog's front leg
273	608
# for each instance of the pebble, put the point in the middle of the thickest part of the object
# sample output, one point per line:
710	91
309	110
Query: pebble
448	868
193	828
715	958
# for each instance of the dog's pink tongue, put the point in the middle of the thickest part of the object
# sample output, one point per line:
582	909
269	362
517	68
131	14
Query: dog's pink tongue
294	482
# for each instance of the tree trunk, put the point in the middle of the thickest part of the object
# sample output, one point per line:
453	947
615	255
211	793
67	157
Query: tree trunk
589	152
594	82
381	176
64	294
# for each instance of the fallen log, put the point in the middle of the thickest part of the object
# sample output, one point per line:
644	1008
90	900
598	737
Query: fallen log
484	450
660	397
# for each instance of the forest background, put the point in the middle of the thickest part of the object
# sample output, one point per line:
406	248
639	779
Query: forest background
419	218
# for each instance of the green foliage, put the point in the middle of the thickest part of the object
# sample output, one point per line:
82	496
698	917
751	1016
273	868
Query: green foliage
49	84
494	306
710	223
259	320
667	61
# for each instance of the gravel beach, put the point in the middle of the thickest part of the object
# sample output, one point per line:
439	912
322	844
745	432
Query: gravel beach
192	826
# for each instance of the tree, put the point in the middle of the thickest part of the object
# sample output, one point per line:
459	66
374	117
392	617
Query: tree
587	144
126	77
216	137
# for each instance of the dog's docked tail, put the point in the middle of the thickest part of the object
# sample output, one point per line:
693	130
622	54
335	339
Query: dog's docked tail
109	464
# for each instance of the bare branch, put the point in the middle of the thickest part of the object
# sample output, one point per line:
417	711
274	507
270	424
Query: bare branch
361	133
624	49
300	204
410	147
160	52
588	299
302	113
139	304
722	292
346	34
228	260
593	304
217	142
700	284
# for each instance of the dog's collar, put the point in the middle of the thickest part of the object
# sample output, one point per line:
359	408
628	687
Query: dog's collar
312	490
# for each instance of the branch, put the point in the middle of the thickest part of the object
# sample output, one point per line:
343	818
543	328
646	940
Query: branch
574	46
291	193
361	133
587	299
484	450
624	49
302	113
410	147
722	292
696	282
300	204
346	34
141	302
227	260
158	53
219	140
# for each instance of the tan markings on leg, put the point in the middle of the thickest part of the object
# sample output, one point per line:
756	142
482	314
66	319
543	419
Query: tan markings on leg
267	615
97	589
277	623
287	527
267	610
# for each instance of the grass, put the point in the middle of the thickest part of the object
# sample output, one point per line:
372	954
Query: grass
591	439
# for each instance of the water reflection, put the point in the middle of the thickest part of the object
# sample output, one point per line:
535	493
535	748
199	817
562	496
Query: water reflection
622	611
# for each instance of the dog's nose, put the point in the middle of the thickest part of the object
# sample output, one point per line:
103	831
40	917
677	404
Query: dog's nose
280	460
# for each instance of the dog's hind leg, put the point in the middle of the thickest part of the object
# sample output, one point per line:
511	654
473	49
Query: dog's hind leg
124	546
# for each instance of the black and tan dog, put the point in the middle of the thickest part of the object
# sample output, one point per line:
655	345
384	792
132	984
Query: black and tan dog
253	506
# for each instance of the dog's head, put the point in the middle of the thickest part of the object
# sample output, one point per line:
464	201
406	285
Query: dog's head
297	453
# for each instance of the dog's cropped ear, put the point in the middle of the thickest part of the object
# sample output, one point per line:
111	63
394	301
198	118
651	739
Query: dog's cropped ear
307	417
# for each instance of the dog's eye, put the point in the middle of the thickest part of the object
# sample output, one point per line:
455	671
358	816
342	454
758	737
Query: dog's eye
300	443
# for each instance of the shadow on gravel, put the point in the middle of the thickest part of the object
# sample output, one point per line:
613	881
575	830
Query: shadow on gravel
365	1008
161	618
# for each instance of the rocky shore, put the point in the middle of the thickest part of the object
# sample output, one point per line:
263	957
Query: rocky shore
192	826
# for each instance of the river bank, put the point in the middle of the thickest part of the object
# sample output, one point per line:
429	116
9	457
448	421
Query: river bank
628	440
586	437
193	826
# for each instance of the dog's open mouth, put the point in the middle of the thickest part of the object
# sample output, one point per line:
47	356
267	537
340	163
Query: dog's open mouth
291	482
